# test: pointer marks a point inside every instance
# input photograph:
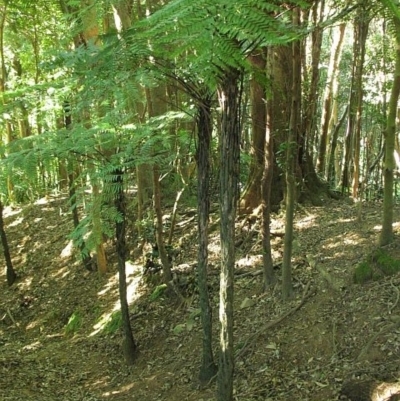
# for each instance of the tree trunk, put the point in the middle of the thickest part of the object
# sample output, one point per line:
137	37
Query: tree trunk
291	155
332	169
208	368
330	94
390	134
252	195
311	102
10	272
166	264
129	345
362	27
229	176
349	168
266	182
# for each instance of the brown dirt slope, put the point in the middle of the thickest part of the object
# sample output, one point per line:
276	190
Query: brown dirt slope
331	332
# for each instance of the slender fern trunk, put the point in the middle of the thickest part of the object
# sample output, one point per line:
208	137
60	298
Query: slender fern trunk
208	367
129	345
229	173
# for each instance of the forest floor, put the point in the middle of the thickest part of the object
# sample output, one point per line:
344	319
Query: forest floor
331	331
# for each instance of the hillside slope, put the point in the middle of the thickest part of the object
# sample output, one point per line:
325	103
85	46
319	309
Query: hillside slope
332	331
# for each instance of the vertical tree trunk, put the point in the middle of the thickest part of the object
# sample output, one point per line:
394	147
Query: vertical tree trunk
310	105
229	175
166	264
252	195
362	26
329	94
208	369
10	272
350	169
129	345
291	157
266	182
84	253
156	106
332	169
390	135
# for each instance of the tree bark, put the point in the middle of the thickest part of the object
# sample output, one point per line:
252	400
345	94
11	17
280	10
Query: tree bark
208	368
291	155
129	345
311	103
329	95
252	195
229	176
390	134
266	182
350	169
10	272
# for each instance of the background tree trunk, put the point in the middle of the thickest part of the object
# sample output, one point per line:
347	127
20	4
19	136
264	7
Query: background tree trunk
252	194
329	95
291	156
390	134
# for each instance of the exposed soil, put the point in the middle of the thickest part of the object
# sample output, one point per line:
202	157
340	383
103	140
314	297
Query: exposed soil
332	330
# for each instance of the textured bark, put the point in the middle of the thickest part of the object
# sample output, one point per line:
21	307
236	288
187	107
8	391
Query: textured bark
166	264
229	176
363	21
291	153
330	94
352	134
390	134
252	195
208	368
10	272
311	98
266	183
129	344
332	169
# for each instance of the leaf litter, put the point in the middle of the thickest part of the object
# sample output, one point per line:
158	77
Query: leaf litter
330	332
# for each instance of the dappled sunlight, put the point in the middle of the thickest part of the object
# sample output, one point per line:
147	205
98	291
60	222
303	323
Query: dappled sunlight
123	389
33	346
112	284
133	277
32	325
68	250
62	272
307	222
16	222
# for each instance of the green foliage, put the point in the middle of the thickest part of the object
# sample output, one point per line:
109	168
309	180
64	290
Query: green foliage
158	292
363	273
386	263
190	322
378	264
113	324
74	323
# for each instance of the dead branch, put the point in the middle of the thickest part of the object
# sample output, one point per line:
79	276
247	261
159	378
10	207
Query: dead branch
275	322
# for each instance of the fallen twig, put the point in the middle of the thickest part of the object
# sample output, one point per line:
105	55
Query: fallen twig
254	336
